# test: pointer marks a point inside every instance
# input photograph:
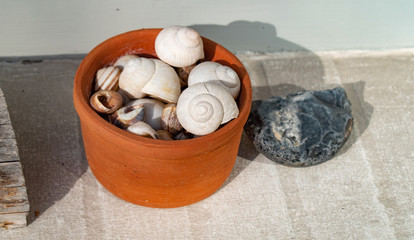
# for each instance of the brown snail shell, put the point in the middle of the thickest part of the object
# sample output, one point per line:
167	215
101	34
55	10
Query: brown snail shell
127	116
164	135
183	135
106	101
169	120
183	74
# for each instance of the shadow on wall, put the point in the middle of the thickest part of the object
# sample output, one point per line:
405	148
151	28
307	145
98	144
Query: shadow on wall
243	36
280	75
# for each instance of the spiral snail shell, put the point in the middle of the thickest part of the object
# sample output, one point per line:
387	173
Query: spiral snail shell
179	46
216	73
146	76
203	107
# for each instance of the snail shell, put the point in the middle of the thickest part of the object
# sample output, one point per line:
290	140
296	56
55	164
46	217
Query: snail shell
107	78
145	76
216	73
164	84
126	116
152	111
183	74
106	101
125	98
142	129
164	135
179	46
122	61
137	72
169	120
182	135
202	107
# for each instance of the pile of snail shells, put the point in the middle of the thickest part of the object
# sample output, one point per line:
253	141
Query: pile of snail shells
178	96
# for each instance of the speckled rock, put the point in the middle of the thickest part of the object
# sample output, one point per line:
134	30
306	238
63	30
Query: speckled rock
301	129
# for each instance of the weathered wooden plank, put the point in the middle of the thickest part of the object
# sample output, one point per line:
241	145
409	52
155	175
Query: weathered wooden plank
8	150
13	200
14	204
13	220
4	116
3	102
9	154
11	175
6	131
4	113
8	142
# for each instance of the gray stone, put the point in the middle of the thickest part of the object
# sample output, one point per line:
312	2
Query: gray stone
301	129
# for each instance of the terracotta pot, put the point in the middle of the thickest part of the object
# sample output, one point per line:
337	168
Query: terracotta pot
150	172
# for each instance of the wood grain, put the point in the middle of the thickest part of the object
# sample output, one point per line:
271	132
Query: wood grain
13	220
14	204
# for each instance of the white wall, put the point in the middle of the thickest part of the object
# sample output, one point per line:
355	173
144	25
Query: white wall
48	27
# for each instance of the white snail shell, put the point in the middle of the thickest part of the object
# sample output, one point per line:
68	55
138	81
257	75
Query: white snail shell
216	73
179	46
202	107
145	76
152	111
125	98
122	61
142	129
137	72
164	84
107	78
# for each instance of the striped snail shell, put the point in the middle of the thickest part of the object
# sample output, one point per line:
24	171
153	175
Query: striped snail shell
107	78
